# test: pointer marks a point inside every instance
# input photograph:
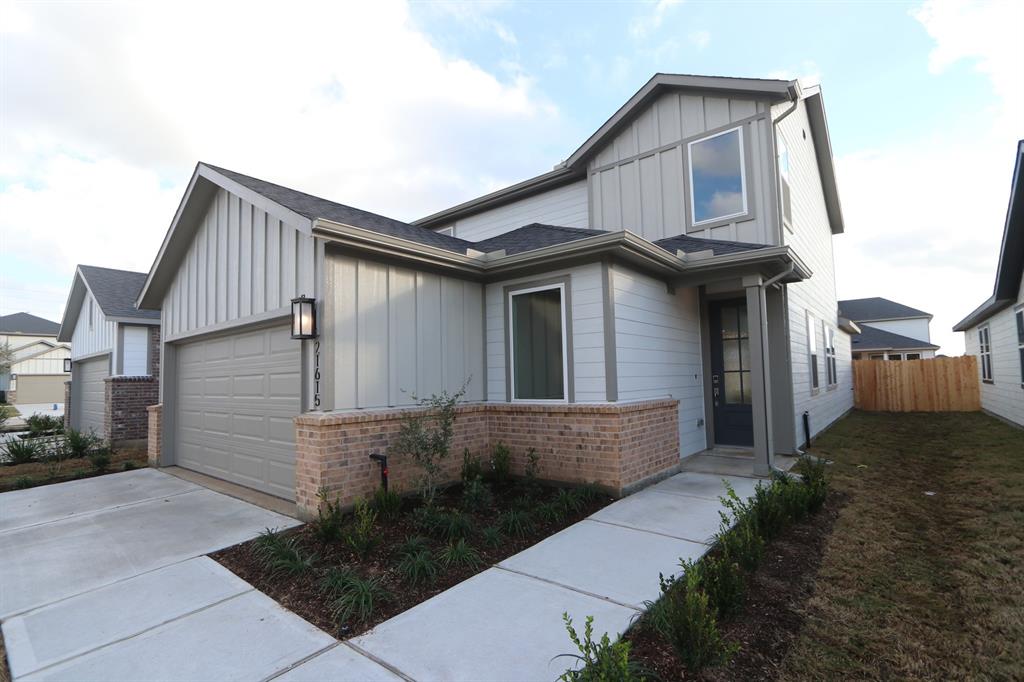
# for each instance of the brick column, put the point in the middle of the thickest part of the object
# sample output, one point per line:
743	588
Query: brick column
67	405
127	399
155	433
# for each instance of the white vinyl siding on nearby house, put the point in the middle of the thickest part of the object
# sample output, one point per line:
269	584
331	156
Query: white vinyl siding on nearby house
1018	315
811	238
93	333
397	334
916	328
584	326
46	362
1004	394
658	348
135	351
639	181
243	262
566	206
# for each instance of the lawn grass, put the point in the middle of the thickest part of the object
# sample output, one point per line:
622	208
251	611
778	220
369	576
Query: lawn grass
915	585
70	470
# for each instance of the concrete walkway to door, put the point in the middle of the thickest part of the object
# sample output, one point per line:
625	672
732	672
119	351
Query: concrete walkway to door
106	578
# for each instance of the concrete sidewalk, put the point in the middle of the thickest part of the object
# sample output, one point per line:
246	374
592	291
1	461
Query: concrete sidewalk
506	623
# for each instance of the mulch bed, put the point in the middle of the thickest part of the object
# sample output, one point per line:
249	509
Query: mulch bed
302	594
772	614
70	470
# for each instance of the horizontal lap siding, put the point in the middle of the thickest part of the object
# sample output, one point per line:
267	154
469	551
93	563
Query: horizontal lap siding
1004	396
242	262
398	334
811	238
565	206
658	351
587	340
915	329
638	180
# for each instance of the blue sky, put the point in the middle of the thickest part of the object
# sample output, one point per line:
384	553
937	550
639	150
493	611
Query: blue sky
405	109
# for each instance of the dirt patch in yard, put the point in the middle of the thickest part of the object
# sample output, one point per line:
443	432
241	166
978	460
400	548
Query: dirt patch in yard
304	594
14	477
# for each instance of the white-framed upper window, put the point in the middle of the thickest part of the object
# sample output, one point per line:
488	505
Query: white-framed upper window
450	230
913	356
812	350
538	355
985	353
90	314
876	356
718	177
829	335
784	190
895	356
1018	315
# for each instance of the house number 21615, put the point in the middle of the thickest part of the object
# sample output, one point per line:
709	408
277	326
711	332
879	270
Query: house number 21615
316	374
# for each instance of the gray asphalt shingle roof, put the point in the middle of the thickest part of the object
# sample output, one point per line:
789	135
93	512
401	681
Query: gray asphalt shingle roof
116	291
873	338
860	309
527	238
27	323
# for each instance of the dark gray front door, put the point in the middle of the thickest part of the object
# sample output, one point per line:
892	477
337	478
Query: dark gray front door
730	373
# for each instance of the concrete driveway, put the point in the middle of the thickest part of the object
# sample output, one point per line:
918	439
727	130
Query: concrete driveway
106	578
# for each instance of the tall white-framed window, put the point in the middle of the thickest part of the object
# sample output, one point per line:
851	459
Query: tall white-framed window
985	353
538	355
718	177
785	195
829	336
1018	316
812	351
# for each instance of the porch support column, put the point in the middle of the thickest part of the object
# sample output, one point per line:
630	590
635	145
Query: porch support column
757	325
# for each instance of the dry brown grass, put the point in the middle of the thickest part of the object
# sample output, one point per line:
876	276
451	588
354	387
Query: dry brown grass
915	585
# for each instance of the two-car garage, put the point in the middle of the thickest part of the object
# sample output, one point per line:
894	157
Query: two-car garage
235	399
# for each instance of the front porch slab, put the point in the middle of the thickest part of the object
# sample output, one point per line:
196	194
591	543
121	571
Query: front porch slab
706	486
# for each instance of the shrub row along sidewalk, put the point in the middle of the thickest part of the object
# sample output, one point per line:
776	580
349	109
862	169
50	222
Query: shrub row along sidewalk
680	633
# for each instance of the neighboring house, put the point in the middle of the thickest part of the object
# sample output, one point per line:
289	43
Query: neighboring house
889	330
669	288
36	374
994	332
115	369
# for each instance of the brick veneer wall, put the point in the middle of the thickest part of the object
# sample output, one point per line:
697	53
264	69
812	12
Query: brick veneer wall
67	405
619	446
155	435
154	352
126	401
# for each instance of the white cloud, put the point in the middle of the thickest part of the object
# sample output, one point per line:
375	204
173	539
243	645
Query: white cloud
107	108
807	72
924	217
700	39
647	23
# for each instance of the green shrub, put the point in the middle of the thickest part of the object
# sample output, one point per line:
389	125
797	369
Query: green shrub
100	459
550	512
476	496
569	500
44	423
418	568
471	467
360	536
501	464
492	537
353	598
741	542
425	436
516	522
590	492
531	482
129	466
21	451
452	525
387	503
686	620
814	475
412	545
282	555
721	577
23	482
329	518
602	661
78	443
460	554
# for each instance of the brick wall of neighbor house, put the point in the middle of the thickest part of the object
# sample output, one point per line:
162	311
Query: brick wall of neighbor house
618	446
12	396
126	401
67	405
155	433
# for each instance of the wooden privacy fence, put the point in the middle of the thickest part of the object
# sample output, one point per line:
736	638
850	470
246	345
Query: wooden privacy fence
934	385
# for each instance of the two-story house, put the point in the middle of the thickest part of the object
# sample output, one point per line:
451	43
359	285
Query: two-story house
889	330
36	374
115	360
667	289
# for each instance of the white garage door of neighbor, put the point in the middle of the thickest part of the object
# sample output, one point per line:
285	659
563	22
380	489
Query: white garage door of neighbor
89	413
236	399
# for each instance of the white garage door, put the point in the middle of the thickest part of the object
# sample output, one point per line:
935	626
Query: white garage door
88	414
236	399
